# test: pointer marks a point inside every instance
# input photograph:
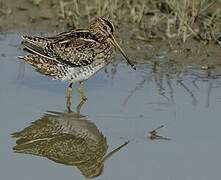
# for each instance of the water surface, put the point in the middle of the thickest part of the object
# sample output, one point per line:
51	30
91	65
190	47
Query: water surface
122	105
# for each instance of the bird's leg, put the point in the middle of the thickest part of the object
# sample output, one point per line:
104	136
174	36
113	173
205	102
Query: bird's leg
69	97
81	92
78	108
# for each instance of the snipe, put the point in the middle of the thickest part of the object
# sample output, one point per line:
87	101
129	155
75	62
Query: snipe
68	138
73	56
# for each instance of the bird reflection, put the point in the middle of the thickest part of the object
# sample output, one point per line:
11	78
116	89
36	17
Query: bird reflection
67	138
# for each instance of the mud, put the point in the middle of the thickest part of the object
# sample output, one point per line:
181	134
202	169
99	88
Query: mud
45	18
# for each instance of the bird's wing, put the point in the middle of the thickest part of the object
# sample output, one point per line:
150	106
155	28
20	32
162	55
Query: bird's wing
73	51
74	48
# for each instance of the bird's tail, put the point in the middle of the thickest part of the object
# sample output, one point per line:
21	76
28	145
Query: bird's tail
44	65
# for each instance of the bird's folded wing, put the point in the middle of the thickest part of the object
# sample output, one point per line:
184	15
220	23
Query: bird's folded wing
74	48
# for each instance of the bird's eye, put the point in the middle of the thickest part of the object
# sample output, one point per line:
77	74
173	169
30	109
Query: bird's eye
105	27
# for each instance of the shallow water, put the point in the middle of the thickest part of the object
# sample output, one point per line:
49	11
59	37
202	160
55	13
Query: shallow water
123	105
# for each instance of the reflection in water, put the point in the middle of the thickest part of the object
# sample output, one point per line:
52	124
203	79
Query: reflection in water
153	135
169	75
67	138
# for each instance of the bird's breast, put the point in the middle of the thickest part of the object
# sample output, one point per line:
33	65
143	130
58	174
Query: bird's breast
103	52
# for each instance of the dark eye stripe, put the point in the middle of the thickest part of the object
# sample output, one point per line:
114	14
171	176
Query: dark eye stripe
109	24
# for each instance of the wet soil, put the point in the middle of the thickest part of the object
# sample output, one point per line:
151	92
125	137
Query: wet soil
24	14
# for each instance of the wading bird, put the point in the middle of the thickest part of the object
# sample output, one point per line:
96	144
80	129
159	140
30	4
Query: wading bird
73	56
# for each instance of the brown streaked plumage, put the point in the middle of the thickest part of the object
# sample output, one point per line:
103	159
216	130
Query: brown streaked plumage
76	48
67	138
73	56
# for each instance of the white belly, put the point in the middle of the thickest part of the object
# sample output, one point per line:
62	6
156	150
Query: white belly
80	74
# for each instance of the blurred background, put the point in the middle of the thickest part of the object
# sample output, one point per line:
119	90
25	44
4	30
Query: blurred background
180	27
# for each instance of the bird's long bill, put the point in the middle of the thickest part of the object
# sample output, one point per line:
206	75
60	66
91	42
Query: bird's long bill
114	42
114	151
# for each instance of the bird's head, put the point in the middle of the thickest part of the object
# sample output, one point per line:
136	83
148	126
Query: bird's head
103	29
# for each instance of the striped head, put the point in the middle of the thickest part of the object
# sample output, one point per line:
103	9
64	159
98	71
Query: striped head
104	31
102	28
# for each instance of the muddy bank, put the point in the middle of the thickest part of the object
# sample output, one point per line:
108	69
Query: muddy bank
52	16
23	14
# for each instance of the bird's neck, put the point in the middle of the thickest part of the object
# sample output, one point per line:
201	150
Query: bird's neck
98	35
